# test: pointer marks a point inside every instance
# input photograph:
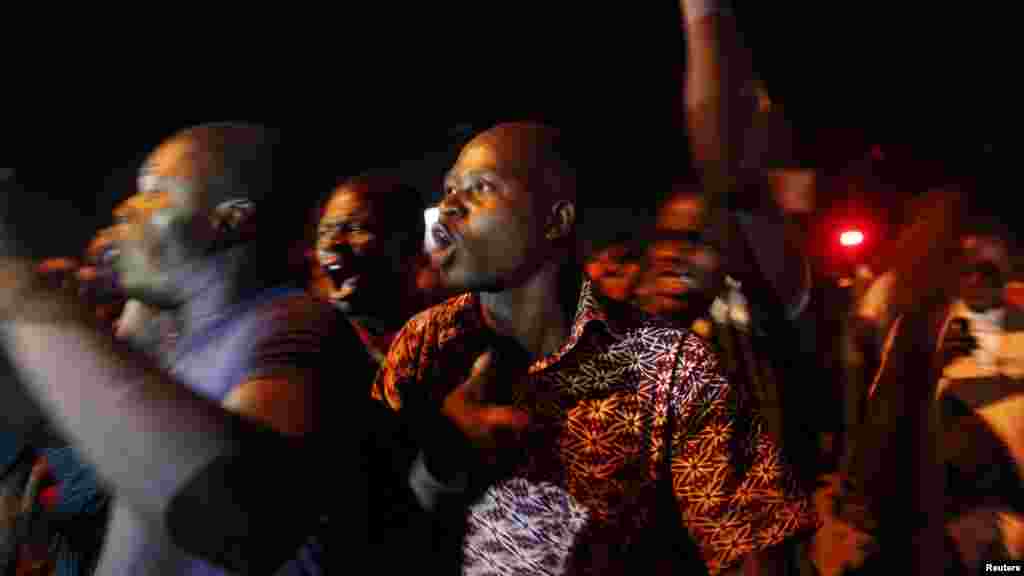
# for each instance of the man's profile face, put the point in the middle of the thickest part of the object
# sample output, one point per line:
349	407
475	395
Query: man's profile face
983	274
682	273
357	248
159	229
488	231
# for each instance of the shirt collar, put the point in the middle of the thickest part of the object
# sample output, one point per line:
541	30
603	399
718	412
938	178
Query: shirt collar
589	311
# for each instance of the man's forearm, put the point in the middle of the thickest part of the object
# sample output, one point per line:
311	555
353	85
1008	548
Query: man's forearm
144	432
718	97
722	99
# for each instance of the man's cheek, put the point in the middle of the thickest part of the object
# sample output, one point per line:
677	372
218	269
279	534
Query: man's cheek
706	260
165	235
132	262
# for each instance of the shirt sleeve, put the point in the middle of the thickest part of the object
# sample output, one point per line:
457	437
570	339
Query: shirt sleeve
308	346
399	372
734	493
299	334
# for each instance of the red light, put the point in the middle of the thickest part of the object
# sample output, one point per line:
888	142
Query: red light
851	238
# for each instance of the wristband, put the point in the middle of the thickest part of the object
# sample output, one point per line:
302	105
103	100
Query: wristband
695	10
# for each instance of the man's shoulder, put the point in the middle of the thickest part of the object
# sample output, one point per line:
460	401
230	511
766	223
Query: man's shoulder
655	333
637	323
454	313
681	358
295	308
418	343
292	317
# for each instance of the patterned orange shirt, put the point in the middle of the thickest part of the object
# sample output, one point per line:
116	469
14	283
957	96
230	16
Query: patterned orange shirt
583	495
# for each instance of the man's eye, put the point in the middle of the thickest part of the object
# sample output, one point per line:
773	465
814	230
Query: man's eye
329	231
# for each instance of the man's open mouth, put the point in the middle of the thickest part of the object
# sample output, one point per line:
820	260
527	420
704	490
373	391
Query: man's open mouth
443	248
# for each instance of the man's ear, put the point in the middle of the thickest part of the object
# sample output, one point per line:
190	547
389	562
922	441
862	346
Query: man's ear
561	220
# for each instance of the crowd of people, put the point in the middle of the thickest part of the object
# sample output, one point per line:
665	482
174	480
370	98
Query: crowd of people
519	379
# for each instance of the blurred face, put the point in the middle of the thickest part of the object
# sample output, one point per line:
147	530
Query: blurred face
983	275
489	230
97	277
357	250
100	257
160	230
615	271
681	274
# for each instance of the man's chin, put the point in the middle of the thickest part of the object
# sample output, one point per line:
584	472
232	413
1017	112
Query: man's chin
342	304
146	293
450	280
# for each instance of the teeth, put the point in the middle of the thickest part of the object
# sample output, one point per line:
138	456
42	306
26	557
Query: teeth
441	237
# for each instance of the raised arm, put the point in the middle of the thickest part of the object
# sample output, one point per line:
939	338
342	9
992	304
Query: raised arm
145	433
730	122
719	95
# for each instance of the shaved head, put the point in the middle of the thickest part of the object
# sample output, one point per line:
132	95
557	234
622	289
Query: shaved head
177	218
221	161
536	153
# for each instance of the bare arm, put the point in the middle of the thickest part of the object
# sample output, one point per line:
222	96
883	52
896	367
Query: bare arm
145	433
722	98
287	404
718	97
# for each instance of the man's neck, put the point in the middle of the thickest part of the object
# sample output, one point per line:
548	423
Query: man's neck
534	314
210	287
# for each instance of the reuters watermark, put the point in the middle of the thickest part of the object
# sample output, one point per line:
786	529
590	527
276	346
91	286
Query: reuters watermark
1004	566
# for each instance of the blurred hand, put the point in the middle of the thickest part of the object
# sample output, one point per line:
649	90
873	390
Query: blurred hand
39	292
467	431
481	423
135	322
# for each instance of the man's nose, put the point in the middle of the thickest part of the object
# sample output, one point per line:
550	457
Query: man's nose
451	208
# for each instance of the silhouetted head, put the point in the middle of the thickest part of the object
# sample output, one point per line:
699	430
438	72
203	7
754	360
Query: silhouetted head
190	189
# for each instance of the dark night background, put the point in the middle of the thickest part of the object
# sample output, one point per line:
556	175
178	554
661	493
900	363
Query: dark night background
927	88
